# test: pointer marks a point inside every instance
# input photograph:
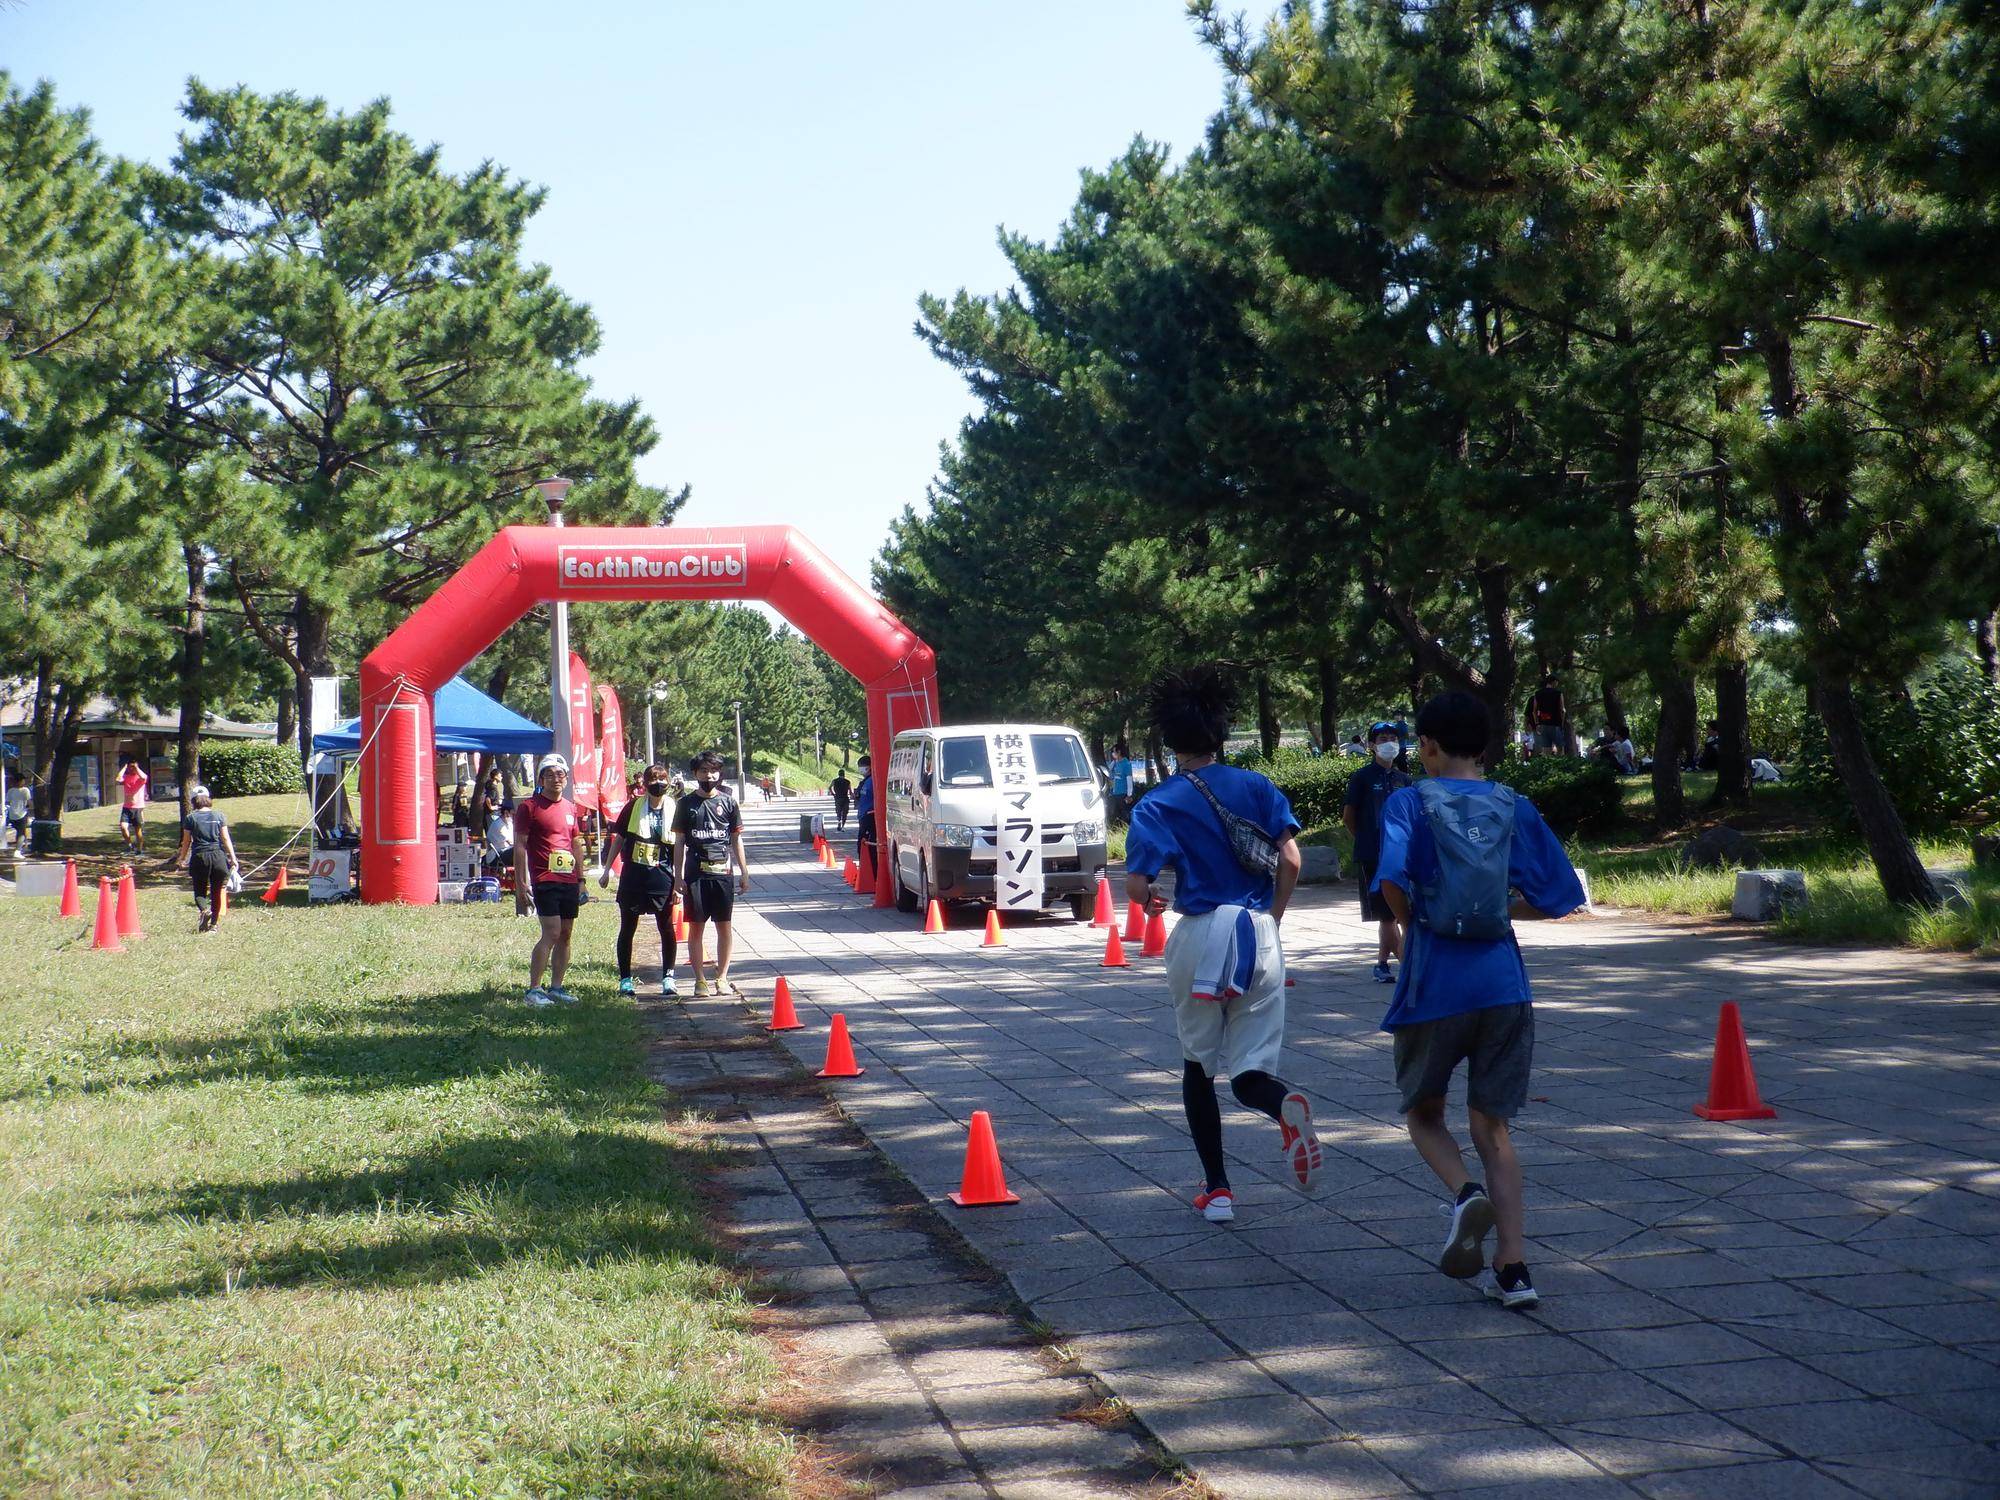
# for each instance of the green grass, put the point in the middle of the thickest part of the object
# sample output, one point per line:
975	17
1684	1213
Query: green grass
1632	867
312	1206
257	824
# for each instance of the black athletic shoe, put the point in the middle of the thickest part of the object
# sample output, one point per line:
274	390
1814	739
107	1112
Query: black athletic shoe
1510	1287
1464	1250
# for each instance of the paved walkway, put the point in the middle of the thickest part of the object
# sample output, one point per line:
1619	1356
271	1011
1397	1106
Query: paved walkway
1798	1307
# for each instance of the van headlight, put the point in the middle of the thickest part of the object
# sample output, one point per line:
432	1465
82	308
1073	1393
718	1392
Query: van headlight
1087	831
953	835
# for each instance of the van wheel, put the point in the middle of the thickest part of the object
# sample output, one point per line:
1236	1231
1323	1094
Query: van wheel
1079	908
906	899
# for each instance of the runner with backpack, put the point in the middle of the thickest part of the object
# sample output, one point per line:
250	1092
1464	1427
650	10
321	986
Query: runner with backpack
1462	860
1231	837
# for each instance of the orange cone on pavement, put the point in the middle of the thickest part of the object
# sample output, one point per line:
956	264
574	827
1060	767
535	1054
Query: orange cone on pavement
867	869
1106	915
72	903
1732	1085
783	1016
851	873
983	1184
1156	936
106	934
839	1052
272	891
128	905
1114	952
934	918
1135	921
995	938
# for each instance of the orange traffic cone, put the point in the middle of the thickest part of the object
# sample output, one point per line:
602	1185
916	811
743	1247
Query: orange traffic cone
680	922
983	1183
934	918
851	873
867	869
994	937
1732	1086
1156	936
106	934
1135	921
272	891
128	905
72	903
783	1016
1114	952
839	1052
1106	914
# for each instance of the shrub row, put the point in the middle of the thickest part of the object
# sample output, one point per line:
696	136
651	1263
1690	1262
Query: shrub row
249	768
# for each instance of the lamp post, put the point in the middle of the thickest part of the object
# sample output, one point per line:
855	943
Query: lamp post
553	491
740	788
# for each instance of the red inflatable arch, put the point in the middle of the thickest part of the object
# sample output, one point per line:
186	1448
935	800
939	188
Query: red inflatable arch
528	565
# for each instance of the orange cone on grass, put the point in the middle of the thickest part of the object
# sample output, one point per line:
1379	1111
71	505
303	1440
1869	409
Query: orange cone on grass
1114	952
995	938
128	905
934	918
839	1052
105	935
1732	1085
274	889
72	903
784	1017
1135	922
1156	936
1106	915
982	1184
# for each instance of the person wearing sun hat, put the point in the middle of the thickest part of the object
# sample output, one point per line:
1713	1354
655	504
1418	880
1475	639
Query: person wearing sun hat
546	875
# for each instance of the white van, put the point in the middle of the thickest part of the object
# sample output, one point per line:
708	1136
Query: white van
943	812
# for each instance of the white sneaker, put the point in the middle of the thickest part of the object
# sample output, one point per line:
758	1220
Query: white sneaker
1464	1252
1510	1287
1217	1208
560	995
538	997
1296	1137
667	986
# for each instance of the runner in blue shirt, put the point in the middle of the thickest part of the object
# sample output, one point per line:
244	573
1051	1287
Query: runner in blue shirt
1225	965
864	809
1461	1000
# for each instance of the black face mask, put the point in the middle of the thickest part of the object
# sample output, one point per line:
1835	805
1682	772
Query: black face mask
656	789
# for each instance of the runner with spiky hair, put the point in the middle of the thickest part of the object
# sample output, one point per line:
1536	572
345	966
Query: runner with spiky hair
1232	840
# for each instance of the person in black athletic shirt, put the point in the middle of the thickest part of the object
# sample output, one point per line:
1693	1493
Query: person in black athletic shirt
644	830
708	837
208	854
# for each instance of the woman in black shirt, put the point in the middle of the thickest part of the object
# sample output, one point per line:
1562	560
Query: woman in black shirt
208	855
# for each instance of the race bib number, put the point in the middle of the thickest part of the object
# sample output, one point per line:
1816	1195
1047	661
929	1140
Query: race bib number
645	852
562	862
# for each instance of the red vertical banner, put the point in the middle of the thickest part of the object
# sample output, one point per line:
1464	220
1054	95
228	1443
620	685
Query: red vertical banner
582	736
611	780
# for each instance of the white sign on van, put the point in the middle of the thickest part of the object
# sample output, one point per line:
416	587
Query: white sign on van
1017	870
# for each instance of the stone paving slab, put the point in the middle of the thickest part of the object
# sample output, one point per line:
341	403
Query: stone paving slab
1775	1307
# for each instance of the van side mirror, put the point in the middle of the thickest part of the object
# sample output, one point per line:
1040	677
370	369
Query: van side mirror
928	783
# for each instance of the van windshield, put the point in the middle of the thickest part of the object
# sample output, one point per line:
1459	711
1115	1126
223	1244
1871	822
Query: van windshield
962	762
1059	759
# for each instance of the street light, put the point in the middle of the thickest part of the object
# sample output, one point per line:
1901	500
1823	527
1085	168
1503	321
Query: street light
741	790
553	491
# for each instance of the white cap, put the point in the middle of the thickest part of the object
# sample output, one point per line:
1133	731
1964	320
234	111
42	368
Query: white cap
551	763
197	791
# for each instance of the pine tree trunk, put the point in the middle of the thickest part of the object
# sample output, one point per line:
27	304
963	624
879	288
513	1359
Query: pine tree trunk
312	629
1987	635
1503	670
194	649
1614	704
288	714
1267	715
1895	857
1670	744
68	726
1329	705
43	727
1732	711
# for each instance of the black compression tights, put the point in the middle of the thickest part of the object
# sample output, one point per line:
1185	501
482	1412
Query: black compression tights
628	923
1258	1091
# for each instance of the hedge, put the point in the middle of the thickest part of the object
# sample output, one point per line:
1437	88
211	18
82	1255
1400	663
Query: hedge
249	768
1573	796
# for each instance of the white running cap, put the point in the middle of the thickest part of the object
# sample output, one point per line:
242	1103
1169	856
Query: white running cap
552	763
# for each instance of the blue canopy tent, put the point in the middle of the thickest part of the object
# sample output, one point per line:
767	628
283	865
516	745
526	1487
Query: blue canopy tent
466	719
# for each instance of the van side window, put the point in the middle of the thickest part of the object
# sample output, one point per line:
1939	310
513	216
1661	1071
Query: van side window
1059	758
963	762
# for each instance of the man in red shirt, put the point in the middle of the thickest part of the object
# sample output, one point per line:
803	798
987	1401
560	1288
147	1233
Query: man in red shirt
132	783
545	872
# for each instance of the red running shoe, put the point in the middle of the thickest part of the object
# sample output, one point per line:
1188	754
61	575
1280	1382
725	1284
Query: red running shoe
1296	1138
1216	1207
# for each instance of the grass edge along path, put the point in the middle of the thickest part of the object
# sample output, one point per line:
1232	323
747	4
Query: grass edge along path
314	1206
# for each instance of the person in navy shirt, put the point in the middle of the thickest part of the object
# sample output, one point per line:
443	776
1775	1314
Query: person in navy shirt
864	809
1225	965
1367	790
1459	1000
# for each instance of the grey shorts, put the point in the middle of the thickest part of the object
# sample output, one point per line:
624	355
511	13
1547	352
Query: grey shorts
1498	1043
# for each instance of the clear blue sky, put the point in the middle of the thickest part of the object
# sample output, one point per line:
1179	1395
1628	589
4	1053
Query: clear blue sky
750	196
